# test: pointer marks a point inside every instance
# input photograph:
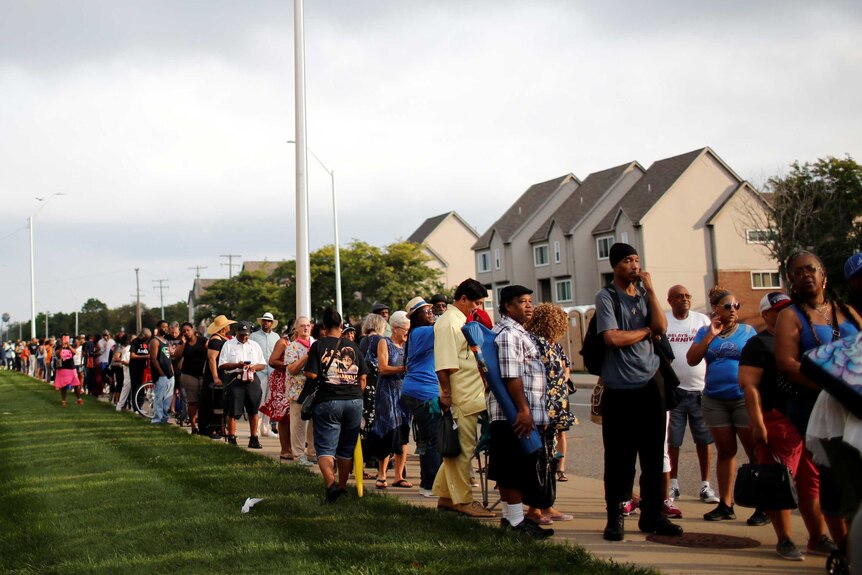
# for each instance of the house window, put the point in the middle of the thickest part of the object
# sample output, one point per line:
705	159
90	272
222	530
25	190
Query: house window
488	304
765	280
557	254
624	237
499	294
497	260
483	261
564	290
758	236
540	255
603	247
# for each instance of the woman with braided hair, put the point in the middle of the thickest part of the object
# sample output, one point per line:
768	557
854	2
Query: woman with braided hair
816	317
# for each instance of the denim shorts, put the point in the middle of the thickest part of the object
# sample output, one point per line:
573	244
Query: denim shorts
336	427
687	409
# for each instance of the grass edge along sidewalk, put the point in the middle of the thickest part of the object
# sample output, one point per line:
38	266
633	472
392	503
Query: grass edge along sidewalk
84	489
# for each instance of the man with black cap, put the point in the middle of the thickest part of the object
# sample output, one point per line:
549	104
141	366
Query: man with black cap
524	375
439	303
633	407
382	310
241	359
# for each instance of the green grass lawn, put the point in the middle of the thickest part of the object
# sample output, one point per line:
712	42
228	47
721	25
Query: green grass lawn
84	489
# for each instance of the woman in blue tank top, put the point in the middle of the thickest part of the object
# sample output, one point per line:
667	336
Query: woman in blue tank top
816	317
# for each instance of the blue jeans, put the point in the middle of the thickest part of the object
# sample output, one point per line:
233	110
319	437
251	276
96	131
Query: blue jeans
425	431
336	427
163	391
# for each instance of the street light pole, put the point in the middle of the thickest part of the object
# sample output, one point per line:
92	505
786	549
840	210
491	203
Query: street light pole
303	273
334	230
32	266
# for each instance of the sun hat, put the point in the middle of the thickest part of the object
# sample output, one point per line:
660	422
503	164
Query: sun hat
414	304
218	324
267	316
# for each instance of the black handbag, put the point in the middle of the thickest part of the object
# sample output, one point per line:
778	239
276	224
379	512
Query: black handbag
765	485
448	443
542	490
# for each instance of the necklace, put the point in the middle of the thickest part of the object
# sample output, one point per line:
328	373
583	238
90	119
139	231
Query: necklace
727	332
827	316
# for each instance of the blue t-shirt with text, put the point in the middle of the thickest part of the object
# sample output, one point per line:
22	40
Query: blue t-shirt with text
722	361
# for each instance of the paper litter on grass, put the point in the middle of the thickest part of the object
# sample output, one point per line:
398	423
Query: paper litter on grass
249	503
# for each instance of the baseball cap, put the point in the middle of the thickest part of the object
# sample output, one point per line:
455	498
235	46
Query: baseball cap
853	265
774	300
243	327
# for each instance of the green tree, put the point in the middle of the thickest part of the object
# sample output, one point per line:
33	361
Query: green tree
244	296
816	207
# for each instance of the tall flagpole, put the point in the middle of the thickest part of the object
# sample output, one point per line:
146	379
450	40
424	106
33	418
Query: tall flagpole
303	275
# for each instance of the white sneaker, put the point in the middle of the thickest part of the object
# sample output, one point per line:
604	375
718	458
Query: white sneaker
303	461
707	495
426	493
673	492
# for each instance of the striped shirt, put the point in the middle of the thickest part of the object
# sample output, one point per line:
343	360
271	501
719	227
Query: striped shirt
519	357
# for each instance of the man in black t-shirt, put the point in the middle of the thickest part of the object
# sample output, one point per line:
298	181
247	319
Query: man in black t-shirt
139	355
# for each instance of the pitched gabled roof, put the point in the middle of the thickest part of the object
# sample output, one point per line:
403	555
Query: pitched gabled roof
429	225
657	180
579	204
265	266
200	286
520	211
726	200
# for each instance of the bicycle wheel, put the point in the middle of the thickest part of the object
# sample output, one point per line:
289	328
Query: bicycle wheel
144	400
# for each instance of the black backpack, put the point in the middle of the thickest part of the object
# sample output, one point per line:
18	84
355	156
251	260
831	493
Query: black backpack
594	347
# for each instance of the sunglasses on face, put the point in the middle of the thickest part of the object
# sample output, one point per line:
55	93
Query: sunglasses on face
683	296
730	306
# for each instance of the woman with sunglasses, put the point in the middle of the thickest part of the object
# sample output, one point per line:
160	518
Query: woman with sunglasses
816	318
723	404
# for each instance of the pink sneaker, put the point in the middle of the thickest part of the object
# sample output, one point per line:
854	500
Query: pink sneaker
671	510
631	506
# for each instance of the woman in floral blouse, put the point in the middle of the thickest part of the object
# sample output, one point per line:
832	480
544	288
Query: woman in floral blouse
549	325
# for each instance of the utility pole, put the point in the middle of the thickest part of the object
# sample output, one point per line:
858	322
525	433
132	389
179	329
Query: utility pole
230	263
303	273
162	286
138	325
198	270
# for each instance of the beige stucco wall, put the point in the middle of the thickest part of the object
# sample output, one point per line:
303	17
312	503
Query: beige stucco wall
732	251
581	247
452	241
675	239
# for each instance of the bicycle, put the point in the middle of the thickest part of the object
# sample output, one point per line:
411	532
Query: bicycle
143	400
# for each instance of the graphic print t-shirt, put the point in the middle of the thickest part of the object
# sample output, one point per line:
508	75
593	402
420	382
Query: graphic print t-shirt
341	380
680	335
722	362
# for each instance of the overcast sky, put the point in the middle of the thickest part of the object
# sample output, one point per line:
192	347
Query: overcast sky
164	123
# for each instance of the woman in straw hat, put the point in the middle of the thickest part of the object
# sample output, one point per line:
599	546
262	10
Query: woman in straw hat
219	332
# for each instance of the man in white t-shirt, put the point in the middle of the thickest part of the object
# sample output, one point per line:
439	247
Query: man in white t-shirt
682	326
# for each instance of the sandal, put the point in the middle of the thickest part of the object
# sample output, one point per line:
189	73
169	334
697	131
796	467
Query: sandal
380	484
561	476
286	457
367	475
402	483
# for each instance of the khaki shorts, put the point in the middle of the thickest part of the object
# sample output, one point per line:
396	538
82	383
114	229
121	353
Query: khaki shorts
192	386
724	412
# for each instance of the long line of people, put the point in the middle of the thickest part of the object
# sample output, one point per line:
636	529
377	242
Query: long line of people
323	395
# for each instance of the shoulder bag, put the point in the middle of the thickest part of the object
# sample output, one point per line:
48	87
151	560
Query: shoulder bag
765	485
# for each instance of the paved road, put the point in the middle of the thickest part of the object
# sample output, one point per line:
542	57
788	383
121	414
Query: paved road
584	454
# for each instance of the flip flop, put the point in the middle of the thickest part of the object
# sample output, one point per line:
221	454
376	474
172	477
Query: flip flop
286	457
561	476
402	483
380	484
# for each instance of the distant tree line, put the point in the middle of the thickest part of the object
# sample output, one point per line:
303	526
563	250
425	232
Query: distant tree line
392	274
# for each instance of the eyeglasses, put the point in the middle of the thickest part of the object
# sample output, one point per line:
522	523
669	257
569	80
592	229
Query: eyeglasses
682	296
729	306
803	271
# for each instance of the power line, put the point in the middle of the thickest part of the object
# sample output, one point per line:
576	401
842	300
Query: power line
161	287
230	263
197	271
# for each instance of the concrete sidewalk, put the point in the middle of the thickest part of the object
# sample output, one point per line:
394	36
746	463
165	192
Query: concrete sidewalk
584	498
